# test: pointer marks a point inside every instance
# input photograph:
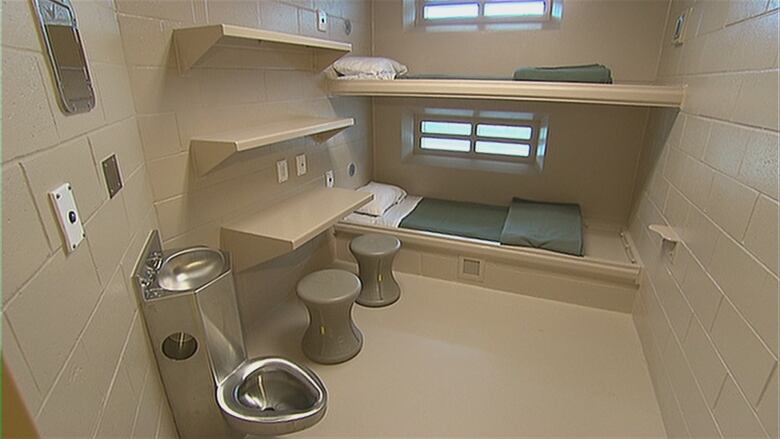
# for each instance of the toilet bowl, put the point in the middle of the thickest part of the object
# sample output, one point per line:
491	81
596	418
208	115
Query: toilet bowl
271	396
214	388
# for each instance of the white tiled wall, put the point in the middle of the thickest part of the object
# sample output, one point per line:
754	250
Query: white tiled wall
707	312
72	334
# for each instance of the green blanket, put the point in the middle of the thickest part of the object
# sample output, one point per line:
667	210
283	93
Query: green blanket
471	220
551	226
591	73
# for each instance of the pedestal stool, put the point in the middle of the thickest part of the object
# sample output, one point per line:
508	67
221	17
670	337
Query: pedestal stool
332	336
374	254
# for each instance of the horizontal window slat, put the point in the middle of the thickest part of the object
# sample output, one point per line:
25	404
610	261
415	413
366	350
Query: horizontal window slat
515	9
505	131
447	11
451	128
502	148
438	144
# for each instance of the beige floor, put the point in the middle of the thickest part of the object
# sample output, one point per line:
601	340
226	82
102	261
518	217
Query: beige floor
456	360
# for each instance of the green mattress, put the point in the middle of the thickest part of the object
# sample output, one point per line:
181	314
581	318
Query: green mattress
592	73
470	220
550	226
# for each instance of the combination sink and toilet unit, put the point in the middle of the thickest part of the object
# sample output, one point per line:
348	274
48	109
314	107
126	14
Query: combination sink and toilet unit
191	312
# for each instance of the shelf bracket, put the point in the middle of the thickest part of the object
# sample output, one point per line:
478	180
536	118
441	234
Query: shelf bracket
192	44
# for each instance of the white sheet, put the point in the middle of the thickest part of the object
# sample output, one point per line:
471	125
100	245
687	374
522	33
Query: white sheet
392	217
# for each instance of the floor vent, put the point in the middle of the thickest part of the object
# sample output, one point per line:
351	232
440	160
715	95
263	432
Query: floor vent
471	269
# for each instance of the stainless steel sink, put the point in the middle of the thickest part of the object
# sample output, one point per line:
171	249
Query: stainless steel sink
190	269
272	396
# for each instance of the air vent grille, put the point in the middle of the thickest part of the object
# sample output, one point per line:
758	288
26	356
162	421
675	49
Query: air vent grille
471	268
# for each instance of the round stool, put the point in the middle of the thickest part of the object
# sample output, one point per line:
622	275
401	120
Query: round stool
374	254
332	336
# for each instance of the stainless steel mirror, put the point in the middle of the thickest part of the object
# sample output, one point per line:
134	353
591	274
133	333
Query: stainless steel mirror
57	20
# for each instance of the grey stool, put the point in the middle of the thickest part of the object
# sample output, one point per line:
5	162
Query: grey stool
374	254
332	336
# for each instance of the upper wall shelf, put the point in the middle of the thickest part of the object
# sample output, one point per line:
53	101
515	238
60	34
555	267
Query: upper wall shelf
210	151
606	94
193	42
281	228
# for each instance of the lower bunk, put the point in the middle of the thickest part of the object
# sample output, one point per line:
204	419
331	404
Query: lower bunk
606	276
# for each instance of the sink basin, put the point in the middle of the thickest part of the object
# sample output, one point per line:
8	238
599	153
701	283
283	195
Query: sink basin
190	269
272	396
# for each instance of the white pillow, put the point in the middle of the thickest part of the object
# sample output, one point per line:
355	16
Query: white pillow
369	67
385	196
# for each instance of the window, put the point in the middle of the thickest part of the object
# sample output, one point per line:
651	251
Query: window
482	11
477	138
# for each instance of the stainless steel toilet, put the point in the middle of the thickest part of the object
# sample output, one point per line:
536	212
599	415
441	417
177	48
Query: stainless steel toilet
189	305
272	396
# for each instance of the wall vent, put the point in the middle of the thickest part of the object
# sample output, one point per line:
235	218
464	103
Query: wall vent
471	268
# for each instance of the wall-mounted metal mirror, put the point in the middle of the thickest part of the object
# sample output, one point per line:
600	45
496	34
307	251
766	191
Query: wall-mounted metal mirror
57	20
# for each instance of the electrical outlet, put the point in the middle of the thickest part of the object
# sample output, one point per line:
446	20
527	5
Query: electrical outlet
300	164
281	171
68	216
322	21
329	180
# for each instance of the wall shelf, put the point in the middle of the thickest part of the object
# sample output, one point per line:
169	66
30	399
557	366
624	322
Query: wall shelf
209	151
281	228
605	94
193	42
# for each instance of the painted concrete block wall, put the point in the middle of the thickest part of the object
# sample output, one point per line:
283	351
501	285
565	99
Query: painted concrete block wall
707	312
591	157
240	86
625	35
236	86
72	333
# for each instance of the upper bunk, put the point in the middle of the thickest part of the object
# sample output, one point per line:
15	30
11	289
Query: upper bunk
669	96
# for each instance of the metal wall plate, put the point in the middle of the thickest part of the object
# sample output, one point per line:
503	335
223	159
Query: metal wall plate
57	20
112	175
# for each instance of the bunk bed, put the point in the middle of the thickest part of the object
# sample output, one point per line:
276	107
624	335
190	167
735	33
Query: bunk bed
505	89
607	255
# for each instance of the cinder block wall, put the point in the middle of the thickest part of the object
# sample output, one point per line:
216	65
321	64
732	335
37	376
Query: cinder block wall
707	312
72	333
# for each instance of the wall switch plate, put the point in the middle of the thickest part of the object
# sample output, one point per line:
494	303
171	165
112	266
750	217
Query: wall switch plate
112	175
68	216
300	164
329	180
322	21
281	171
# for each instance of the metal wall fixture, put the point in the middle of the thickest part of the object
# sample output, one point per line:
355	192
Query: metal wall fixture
191	313
57	20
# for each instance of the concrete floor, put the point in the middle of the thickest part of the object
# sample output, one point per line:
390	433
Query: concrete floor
450	359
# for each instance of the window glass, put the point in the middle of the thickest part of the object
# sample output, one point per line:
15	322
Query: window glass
436	144
436	12
505	131
501	148
514	9
495	136
439	12
453	128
